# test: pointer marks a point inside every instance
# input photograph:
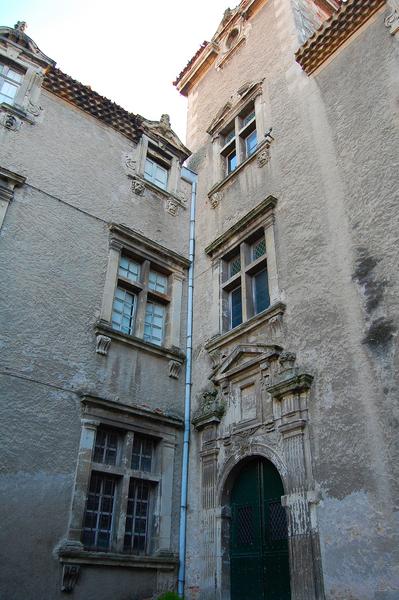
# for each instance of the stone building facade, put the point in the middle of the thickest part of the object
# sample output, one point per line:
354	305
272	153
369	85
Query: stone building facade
292	491
293	125
94	246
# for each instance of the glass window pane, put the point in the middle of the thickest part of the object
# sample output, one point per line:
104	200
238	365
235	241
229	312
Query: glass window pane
261	291
234	265
14	75
229	136
231	162
154	323
158	282
97	523
236	307
259	248
129	269
250	144
248	118
156	173
123	311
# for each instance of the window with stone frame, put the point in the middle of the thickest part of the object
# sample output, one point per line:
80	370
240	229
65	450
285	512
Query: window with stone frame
245	279
142	298
123	463
239	138
141	293
245	259
10	81
157	166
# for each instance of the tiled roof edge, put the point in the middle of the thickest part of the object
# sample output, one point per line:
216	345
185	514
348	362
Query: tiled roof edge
82	96
190	63
334	32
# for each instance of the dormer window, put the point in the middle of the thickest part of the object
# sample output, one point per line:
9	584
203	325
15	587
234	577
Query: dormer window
10	82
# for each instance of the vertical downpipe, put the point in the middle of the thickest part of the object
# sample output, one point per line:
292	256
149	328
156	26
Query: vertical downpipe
190	177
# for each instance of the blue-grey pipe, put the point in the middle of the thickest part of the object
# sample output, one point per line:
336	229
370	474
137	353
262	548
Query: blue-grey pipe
191	177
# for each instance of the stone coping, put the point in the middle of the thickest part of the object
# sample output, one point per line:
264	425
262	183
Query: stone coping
266	316
334	32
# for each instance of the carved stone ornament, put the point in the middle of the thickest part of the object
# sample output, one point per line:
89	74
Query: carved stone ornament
172	207
211	407
287	360
10	122
70	575
263	157
138	187
34	109
102	344
174	369
182	197
392	20
215	199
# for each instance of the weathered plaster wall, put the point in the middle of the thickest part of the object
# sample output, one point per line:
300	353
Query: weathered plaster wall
54	244
333	171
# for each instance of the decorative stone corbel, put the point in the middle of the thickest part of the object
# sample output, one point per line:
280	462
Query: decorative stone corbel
215	199
172	206
392	20
10	122
70	575
210	410
263	157
138	187
102	344
174	369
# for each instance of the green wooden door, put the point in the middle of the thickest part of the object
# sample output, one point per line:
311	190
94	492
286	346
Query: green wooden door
258	544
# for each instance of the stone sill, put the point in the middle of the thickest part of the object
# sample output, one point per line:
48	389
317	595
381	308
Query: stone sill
219	186
135	342
268	315
16	111
159	190
111	559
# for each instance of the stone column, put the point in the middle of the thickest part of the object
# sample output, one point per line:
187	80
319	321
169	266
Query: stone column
175	312
290	390
271	261
82	481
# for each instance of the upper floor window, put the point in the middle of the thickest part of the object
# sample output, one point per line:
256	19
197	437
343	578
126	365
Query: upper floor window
10	82
240	139
140	288
245	279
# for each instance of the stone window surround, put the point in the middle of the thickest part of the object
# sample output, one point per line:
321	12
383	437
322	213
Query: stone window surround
98	411
248	95
25	105
123	238
136	165
8	182
262	216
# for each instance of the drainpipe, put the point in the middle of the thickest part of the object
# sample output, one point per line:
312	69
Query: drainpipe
190	177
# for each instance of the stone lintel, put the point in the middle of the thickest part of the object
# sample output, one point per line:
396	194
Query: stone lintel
162	562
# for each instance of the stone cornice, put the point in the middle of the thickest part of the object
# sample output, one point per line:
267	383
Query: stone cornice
263	208
288	382
125	234
88	400
12	179
110	559
335	32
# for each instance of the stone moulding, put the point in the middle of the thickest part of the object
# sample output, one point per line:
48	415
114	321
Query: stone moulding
110	559
335	32
392	20
102	344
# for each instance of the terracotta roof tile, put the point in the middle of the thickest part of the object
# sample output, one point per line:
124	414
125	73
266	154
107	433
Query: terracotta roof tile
334	32
91	102
190	62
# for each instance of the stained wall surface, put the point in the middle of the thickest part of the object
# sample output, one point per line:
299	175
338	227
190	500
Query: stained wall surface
332	169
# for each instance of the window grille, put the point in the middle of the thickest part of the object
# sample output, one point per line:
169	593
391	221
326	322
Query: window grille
123	311
136	532
142	453
106	447
129	269
154	323
97	527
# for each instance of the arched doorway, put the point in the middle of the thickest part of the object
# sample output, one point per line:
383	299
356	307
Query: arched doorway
259	565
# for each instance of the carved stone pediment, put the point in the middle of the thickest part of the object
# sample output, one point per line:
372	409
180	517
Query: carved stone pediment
162	130
243	357
17	35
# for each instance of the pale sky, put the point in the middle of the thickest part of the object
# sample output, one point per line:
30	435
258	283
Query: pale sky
128	51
